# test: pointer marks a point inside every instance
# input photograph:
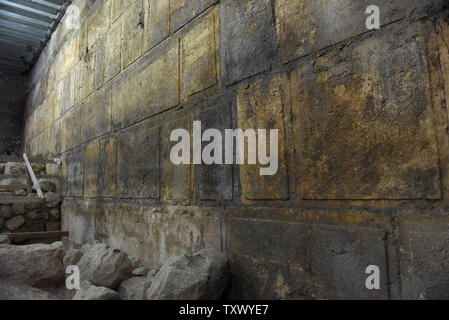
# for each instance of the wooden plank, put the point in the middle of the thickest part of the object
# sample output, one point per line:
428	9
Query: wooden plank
36	235
33	177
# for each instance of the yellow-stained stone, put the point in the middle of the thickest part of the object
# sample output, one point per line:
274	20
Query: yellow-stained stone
147	88
132	34
112	51
71	129
183	11
107	180
157	22
85	77
261	106
91	157
98	22
363	122
96	114
117	8
200	61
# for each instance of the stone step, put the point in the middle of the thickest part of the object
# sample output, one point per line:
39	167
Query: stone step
13	183
20	168
10	200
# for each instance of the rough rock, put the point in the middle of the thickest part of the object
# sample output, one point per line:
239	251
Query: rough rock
4	239
21	193
47	185
18	209
15	223
88	291
53	226
15	290
5	212
52	200
13	184
139	272
201	276
135	288
55	213
72	257
104	266
37	265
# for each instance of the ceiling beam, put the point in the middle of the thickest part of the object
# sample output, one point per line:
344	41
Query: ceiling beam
38	16
22	20
37	6
22	28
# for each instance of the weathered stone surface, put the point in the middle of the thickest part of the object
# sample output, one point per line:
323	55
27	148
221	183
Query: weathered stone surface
72	257
20	168
47	185
84	81
134	288
156	233
79	217
201	276
13	184
15	290
107	175
15	223
52	199
261	106
147	88
53	226
424	256
112	51
176	179
91	164
36	265
117	8
132	39
74	170
71	129
138	162
104	266
139	272
96	114
18	208
305	26
200	61
52	169
215	181
21	193
364	126
157	22
182	11
88	291
248	38
98	22
326	257
5	212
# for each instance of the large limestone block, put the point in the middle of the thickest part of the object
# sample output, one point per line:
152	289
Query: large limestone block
157	22
15	290
104	266
201	276
37	265
132	39
182	11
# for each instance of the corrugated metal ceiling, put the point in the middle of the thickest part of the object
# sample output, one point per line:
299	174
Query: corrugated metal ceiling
25	28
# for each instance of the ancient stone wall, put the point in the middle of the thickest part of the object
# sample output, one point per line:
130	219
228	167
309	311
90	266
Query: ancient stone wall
363	173
14	91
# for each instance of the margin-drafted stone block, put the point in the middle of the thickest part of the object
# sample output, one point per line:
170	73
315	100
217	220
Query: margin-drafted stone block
424	257
138	162
148	87
79	217
97	114
98	22
261	106
248	38
112	51
363	121
215	181
71	129
304	26
91	165
305	260
182	11
157	22
74	182
132	34
107	180
200	57
85	70
176	179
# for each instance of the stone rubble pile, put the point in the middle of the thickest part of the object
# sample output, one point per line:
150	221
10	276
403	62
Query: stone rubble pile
37	272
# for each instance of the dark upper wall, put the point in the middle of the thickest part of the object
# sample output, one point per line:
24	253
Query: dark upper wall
13	92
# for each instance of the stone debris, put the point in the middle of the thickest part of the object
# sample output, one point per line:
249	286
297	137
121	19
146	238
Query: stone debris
36	265
104	266
15	223
4	239
201	276
52	200
72	257
139	272
135	288
15	290
88	291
